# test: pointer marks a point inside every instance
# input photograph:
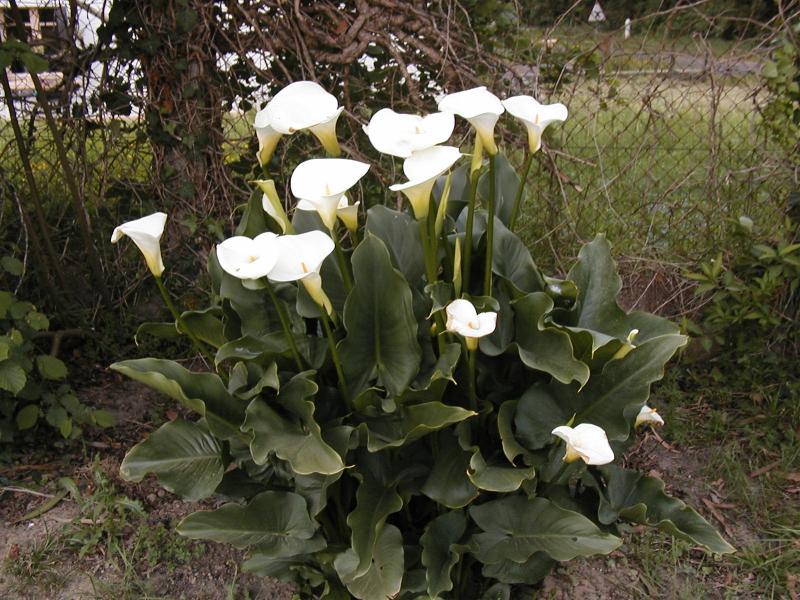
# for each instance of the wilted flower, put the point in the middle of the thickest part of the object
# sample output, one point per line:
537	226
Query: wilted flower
299	258
586	441
347	213
648	416
481	108
422	168
401	134
322	181
463	319
535	116
247	258
305	105
146	234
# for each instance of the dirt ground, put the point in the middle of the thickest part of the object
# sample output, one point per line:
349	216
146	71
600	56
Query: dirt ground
208	571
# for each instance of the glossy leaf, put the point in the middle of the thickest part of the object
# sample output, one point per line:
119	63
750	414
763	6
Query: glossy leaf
374	503
410	423
441	550
515	528
447	482
639	498
298	439
381	336
185	457
399	231
383	576
275	522
203	393
545	348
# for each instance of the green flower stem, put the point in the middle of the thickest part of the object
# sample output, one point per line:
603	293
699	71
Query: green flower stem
467	256
429	250
198	345
566	469
337	363
473	395
342	262
287	331
487	274
526	167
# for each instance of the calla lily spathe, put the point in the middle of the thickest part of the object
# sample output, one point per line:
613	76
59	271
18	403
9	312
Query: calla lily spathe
272	205
422	168
463	319
587	442
323	181
146	234
268	138
481	108
305	105
535	116
247	258
648	416
299	258
401	134
347	213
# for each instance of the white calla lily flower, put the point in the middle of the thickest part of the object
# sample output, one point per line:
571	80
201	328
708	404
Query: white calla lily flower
535	116
422	168
268	138
481	108
299	258
585	441
347	213
401	134
248	258
323	181
146	234
463	319
648	416
306	105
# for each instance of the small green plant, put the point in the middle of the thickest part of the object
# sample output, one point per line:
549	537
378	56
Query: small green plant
407	407
32	387
754	301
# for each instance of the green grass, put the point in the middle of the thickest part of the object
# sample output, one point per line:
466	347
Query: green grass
739	423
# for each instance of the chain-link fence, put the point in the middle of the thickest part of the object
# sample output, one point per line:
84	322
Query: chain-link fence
663	147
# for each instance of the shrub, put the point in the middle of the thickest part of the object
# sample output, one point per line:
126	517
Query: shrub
389	401
32	385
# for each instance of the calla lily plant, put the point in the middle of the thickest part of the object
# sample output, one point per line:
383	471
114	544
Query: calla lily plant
407	406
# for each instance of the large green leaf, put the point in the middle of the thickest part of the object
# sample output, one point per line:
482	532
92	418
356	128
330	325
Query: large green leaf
496	478
545	348
515	528
291	434
596	309
251	348
374	503
529	572
277	523
51	367
184	456
381	330
638	498
538	413
512	260
391	430
202	392
447	482
205	325
441	550
399	231
506	186
383	576
622	384
254	219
